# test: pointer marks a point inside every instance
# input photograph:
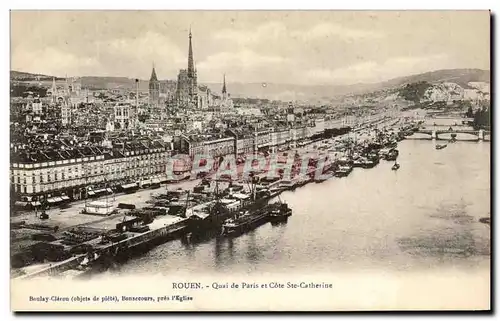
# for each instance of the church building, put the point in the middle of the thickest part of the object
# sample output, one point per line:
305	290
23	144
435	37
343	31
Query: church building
187	83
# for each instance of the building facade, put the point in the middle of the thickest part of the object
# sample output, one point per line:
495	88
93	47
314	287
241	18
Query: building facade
65	113
209	146
75	176
262	140
125	116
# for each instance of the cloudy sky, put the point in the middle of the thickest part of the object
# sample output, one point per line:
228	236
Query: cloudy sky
313	47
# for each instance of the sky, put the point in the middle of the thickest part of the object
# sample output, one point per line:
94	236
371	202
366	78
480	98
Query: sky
290	47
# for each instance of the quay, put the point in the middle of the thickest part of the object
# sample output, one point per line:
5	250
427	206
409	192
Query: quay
161	228
167	226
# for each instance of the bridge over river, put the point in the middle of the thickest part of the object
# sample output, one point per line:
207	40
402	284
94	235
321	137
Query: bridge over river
447	134
446	128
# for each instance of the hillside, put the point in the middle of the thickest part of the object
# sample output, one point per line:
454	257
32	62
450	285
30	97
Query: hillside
26	76
461	77
289	92
111	82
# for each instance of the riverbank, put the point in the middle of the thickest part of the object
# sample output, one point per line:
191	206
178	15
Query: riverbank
110	223
421	218
71	219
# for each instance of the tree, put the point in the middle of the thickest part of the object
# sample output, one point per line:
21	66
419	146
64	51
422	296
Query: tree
482	117
414	91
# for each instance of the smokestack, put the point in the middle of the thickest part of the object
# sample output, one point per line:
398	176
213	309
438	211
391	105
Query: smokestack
137	93
136	116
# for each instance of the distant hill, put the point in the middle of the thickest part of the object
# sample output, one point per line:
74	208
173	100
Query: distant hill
459	76
111	82
26	76
324	92
285	92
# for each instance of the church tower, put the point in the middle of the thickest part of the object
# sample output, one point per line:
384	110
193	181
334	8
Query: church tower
154	89
226	101
187	81
191	73
224	90
190	57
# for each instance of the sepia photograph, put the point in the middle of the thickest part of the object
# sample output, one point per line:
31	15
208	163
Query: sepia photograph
250	160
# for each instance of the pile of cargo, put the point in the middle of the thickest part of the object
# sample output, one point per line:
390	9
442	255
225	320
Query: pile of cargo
51	252
42	227
81	249
113	237
147	214
39	253
75	236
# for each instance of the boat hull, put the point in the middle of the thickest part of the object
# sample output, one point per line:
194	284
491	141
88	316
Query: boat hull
369	165
212	222
342	173
215	221
280	217
252	223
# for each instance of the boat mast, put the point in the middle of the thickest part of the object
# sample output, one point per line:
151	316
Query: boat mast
216	191
187	203
253	187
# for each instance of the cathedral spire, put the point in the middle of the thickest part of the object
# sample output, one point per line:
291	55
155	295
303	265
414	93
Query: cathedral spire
66	85
153	74
190	70
224	85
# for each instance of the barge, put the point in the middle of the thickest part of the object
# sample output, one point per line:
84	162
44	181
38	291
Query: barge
160	230
279	212
214	214
243	222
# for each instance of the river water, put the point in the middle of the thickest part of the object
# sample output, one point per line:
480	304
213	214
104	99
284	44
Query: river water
425	215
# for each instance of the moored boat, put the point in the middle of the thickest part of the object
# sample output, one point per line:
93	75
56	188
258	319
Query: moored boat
343	170
325	176
291	184
359	162
441	146
244	221
279	212
485	220
214	214
369	163
391	155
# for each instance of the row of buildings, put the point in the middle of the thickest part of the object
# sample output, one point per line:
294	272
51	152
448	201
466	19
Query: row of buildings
68	169
58	166
74	143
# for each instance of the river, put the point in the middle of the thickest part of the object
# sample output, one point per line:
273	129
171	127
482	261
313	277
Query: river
425	215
